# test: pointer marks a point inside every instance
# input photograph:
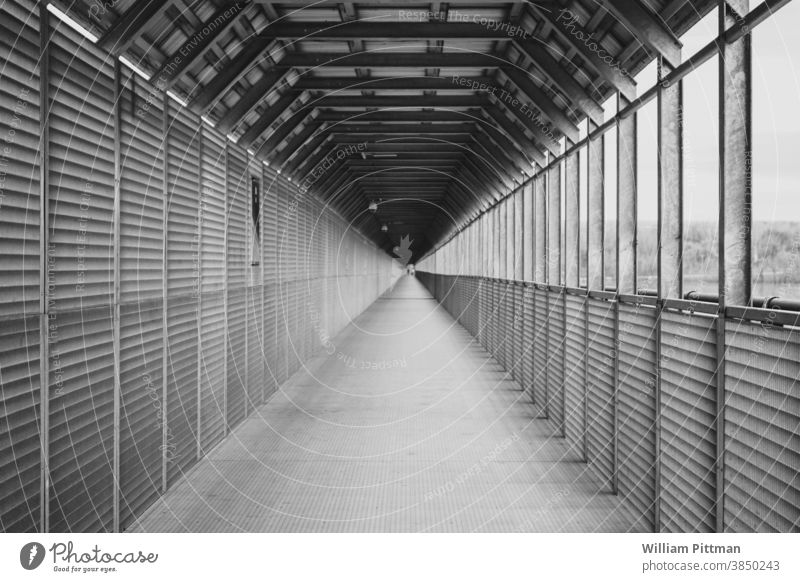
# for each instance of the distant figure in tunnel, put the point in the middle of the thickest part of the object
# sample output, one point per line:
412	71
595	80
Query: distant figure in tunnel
403	250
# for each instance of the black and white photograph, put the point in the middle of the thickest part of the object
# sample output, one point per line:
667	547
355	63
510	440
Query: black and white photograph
397	289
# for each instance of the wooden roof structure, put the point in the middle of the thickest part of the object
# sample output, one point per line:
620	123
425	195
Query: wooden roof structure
430	109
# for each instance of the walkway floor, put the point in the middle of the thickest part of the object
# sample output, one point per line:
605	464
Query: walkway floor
408	426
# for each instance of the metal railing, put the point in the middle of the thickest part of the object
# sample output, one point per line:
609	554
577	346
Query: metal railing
631	383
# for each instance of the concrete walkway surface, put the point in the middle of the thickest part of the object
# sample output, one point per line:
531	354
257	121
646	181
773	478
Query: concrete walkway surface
407	425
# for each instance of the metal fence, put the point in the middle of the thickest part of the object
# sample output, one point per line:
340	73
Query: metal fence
647	427
685	405
144	315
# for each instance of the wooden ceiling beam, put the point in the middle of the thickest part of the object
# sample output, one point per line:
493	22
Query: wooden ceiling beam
381	30
572	32
130	25
198	44
313	83
646	27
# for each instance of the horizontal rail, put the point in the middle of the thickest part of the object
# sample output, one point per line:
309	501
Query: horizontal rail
775	309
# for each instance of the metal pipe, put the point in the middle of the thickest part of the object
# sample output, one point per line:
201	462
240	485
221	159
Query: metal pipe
572	213
164	294
595	196
670	187
44	266
200	211
115	328
539	229
626	203
734	208
553	269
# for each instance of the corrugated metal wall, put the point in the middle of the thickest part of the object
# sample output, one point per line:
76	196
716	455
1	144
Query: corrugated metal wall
256	361
575	374
762	441
183	187
269	255
283	268
501	321
518	336
19	120
636	415
540	369
530	332
688	410
20	415
174	291
212	270
81	423
236	254
81	260
20	457
611	382
600	356
555	359
141	288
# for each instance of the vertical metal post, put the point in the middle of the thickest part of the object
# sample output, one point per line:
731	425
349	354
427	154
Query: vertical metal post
248	280
567	246
572	212
511	276
497	275
595	198
225	299
626	201
44	267
510	233
498	249
595	248
527	236
553	266
116	297
736	160
519	259
165	297
200	221
320	276
475	248
480	243
469	255
572	245
554	225
540	270
626	249
735	205
519	233
540	229
489	252
484	254
670	186
508	248
486	245
670	234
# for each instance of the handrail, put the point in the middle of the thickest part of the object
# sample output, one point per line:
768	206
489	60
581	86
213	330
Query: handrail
691	300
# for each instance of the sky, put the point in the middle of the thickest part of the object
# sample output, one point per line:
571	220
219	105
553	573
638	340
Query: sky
776	125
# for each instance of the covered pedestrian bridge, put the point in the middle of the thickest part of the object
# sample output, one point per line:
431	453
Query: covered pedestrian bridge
208	211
